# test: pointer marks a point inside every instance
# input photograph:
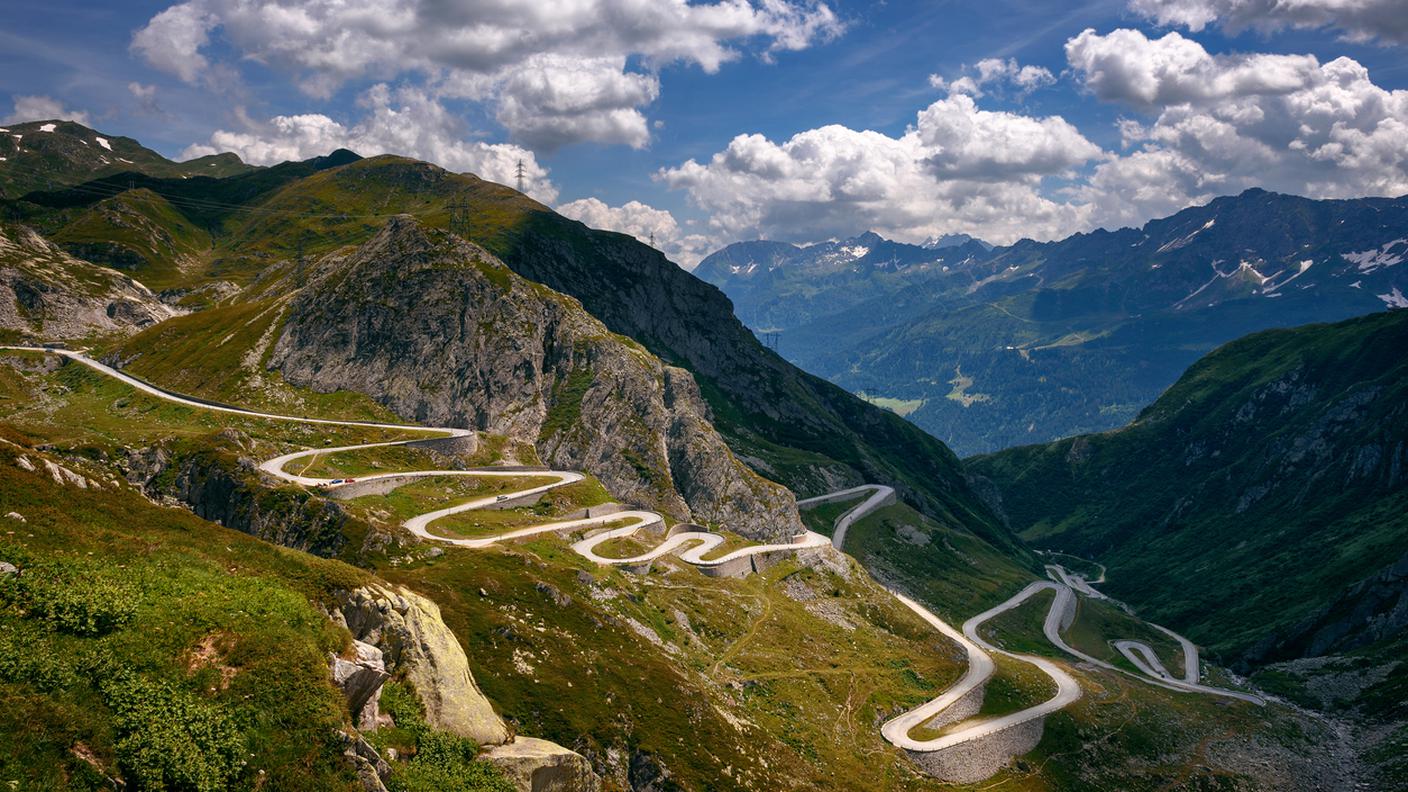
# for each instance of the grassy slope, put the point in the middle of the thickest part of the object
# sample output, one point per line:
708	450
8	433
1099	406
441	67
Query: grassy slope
794	668
588	661
793	427
138	232
953	572
1241	478
71	154
185	581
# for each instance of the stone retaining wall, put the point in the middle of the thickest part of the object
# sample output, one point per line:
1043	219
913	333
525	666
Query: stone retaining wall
376	486
977	760
453	446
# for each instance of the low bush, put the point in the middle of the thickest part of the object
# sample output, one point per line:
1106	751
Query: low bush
76	598
442	762
169	739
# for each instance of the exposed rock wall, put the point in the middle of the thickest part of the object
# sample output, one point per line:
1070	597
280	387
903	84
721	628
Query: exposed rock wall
223	487
441	332
414	640
48	294
978	760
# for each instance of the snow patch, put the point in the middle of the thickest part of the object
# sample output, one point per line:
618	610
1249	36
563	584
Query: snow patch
1300	270
1377	258
104	143
47	127
855	251
1185	239
1394	299
1356	285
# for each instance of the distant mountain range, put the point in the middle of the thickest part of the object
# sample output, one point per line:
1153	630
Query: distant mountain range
988	348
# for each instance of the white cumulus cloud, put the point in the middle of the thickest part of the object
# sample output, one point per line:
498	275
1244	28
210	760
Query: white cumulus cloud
1359	20
996	71
554	72
1222	123
645	223
958	168
42	108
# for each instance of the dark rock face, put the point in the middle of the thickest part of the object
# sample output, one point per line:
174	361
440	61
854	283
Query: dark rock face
223	488
441	332
1367	612
762	403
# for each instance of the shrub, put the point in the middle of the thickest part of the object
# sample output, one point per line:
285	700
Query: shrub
443	762
74	598
28	656
169	739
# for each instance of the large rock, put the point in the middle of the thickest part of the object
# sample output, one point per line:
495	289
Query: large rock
360	680
535	765
440	331
414	640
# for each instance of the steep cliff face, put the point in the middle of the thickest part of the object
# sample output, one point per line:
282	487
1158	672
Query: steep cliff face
795	427
216	482
441	332
48	294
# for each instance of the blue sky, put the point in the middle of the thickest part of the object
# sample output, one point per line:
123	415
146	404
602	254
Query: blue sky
628	113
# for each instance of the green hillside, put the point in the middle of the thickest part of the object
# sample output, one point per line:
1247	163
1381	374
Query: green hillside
1267	481
792	427
46	155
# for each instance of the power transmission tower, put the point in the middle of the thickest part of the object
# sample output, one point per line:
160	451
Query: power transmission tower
299	271
652	239
519	173
459	218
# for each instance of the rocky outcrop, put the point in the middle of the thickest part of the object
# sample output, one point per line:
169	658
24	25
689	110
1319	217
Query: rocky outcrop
440	331
47	293
221	485
360	678
535	765
415	643
1369	611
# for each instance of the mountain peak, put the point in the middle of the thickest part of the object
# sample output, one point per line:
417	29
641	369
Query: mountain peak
951	240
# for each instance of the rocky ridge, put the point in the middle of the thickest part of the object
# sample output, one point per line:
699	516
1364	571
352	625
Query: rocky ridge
440	331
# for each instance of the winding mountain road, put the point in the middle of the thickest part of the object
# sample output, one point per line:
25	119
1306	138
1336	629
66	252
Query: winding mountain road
981	665
693	546
680	543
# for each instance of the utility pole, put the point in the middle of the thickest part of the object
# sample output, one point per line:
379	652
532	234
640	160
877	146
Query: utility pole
519	173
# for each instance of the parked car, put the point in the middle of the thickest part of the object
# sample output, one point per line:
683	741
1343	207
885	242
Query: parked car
501	499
